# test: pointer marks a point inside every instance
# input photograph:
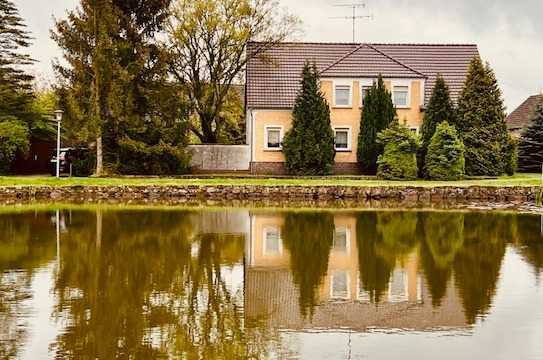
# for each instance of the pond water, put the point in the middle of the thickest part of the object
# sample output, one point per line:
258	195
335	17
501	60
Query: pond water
105	283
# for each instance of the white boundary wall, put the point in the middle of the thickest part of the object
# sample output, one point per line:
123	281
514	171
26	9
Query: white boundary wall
220	157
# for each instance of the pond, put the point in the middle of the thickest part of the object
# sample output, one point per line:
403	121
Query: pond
197	283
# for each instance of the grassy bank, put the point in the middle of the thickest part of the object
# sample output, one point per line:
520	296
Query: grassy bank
517	180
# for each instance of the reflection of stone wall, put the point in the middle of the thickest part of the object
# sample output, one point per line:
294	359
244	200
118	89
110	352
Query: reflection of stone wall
273	193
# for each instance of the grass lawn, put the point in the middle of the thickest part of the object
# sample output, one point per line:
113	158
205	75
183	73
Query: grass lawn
517	180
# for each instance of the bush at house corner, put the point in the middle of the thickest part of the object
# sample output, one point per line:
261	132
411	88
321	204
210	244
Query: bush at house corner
445	154
309	145
399	158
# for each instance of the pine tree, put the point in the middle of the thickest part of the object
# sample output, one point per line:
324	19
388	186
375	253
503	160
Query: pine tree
116	88
440	108
530	149
377	114
16	96
309	145
445	156
481	122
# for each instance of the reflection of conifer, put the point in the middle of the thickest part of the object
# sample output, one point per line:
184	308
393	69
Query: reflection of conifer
309	238
531	240
443	238
477	266
382	239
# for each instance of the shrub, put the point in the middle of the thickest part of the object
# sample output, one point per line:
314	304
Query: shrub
309	145
138	158
83	162
445	158
511	156
13	138
399	158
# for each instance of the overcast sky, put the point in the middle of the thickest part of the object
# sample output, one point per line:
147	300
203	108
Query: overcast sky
509	33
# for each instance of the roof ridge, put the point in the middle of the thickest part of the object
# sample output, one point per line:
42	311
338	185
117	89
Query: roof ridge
360	44
341	59
396	60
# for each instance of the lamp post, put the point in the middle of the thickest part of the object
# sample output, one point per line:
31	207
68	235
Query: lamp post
58	119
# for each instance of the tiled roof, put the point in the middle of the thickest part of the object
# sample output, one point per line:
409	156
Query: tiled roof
273	79
523	115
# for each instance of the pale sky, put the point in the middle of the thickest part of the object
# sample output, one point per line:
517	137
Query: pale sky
509	32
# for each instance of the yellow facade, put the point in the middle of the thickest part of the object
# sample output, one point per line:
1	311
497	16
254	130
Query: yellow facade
341	117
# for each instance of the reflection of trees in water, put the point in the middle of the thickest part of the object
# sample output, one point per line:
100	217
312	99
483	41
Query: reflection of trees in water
309	239
478	263
27	241
530	240
383	238
443	238
146	289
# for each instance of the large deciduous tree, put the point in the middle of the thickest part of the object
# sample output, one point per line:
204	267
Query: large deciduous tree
481	123
530	157
208	41
309	145
440	108
378	113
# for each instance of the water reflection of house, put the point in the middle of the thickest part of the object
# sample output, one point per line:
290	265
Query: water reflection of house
271	295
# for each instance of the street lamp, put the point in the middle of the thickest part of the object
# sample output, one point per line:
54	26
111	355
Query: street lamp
58	119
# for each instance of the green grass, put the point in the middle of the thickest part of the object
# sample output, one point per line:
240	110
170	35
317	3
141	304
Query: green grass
517	180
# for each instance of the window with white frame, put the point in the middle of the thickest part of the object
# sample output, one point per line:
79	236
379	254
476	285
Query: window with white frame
364	91
340	285
273	244
342	240
400	96
342	138
398	287
274	137
343	95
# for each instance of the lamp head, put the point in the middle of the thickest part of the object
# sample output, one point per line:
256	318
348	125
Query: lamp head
58	115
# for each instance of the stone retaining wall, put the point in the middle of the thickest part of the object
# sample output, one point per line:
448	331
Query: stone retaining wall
518	195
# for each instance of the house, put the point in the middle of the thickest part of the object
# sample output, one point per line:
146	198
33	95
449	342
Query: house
522	117
347	71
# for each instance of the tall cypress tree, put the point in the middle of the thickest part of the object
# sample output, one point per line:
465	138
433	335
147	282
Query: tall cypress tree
531	145
481	123
377	114
440	108
309	145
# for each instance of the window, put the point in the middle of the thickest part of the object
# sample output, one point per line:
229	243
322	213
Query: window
342	95
342	240
401	96
397	289
342	139
273	244
364	91
340	286
414	129
274	137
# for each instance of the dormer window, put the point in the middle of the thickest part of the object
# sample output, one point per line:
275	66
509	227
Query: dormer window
343	94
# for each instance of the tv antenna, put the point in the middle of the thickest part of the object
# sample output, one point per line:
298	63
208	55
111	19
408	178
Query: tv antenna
354	17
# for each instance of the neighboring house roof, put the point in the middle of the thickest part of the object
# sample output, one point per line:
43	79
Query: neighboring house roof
522	117
273	79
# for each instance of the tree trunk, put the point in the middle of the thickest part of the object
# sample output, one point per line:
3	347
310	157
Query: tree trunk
99	157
